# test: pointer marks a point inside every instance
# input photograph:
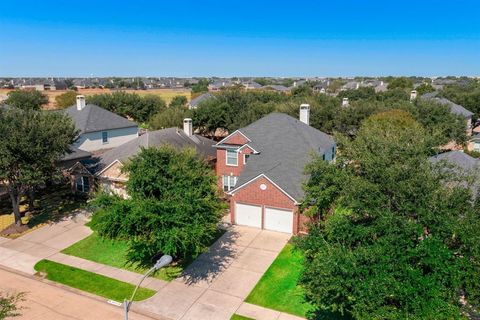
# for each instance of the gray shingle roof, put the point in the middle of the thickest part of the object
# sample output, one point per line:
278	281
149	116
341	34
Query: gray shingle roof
92	118
172	136
195	102
285	146
75	153
454	108
458	158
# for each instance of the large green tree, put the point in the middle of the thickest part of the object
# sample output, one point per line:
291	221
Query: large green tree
32	142
393	237
26	99
139	108
66	99
173	207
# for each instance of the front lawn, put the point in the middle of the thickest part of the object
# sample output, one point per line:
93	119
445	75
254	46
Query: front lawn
278	289
113	253
91	282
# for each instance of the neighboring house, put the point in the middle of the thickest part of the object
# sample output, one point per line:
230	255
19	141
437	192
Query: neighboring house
218	85
466	166
99	128
474	142
277	87
381	87
193	104
108	170
454	108
251	85
262	166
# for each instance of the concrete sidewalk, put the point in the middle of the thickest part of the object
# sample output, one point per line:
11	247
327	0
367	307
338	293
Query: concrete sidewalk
215	285
24	252
47	302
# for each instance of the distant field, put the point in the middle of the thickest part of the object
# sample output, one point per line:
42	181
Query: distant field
166	94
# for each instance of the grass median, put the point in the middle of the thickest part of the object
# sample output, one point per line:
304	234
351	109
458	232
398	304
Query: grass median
91	282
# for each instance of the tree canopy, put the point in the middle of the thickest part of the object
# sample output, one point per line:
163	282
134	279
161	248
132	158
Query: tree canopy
26	99
32	143
173	207
139	108
392	238
66	99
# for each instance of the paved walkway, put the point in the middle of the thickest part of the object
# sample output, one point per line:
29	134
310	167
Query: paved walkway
214	286
47	302
261	313
24	252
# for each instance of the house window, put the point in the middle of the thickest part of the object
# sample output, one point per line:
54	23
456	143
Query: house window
229	182
245	158
104	137
323	156
82	184
232	157
476	146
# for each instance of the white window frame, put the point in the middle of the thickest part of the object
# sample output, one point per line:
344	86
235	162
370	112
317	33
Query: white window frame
228	182
80	185
105	141
245	157
226	157
476	146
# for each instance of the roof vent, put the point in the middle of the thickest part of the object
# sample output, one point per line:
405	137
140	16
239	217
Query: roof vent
188	127
305	113
80	102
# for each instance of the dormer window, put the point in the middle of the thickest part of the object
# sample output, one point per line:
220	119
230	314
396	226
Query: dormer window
232	157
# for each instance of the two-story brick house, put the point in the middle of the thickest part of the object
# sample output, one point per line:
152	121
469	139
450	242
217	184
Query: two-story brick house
261	168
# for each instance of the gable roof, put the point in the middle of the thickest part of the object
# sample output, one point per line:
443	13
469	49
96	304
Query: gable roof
458	158
196	101
172	136
285	146
92	118
454	108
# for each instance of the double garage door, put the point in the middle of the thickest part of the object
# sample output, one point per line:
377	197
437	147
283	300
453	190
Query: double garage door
274	219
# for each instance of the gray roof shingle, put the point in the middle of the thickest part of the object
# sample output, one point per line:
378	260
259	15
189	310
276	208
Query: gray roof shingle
458	158
172	136
454	108
92	118
196	101
285	146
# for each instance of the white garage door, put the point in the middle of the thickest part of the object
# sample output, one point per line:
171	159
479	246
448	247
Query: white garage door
278	220
247	215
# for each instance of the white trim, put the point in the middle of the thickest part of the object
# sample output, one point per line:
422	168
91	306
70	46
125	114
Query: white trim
231	134
232	192
247	145
107	167
226	157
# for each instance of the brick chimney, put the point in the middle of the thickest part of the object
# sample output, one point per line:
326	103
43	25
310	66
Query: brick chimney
80	102
305	113
188	127
413	95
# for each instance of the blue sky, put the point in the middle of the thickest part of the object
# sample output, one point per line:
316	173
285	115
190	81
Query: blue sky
239	38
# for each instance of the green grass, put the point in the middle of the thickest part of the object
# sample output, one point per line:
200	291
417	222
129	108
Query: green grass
239	317
113	253
91	282
277	289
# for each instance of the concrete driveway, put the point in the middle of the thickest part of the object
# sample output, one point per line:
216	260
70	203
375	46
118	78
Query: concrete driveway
215	285
24	252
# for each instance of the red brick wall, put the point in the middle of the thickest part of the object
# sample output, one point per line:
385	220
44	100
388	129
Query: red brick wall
222	167
236	138
271	197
